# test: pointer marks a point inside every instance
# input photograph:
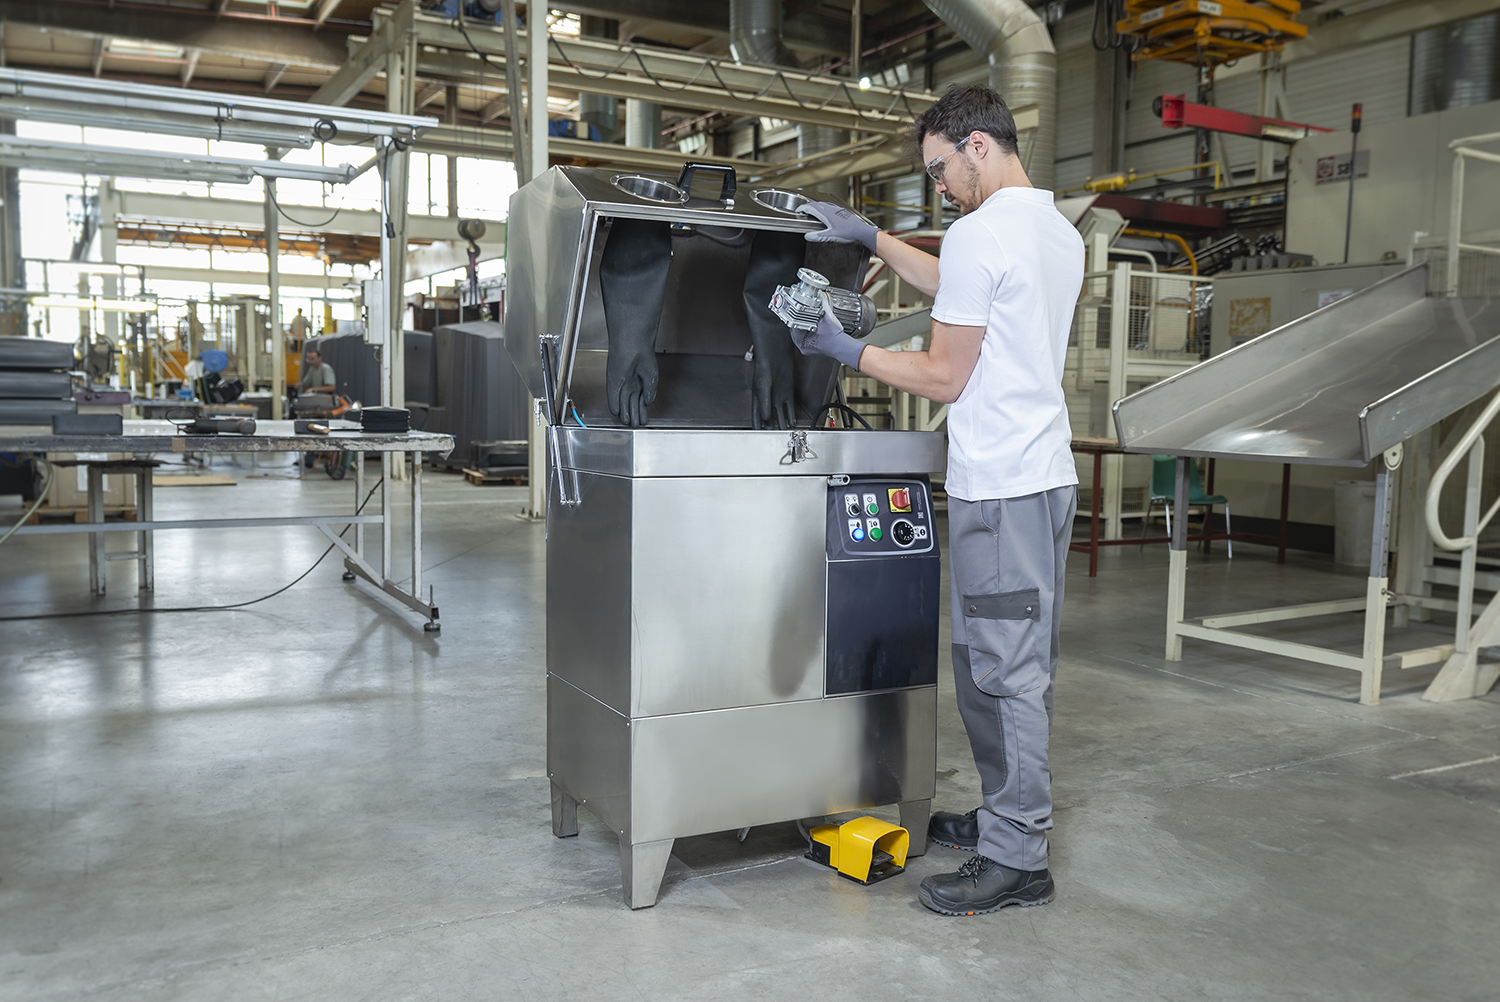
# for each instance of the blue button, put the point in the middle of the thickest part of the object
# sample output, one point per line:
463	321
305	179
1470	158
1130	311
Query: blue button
856	531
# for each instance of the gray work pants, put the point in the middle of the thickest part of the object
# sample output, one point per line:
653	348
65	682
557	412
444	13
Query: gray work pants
1007	560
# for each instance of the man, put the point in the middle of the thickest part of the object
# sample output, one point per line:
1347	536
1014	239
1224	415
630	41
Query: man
1003	293
301	326
317	375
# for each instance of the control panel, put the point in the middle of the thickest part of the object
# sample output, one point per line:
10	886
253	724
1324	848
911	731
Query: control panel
884	586
880	518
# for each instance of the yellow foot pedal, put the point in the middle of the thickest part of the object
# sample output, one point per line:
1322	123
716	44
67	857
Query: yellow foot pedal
865	849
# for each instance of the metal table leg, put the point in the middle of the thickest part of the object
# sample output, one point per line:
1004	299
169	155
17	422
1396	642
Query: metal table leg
97	559
432	625
1177	564
146	575
359	497
387	461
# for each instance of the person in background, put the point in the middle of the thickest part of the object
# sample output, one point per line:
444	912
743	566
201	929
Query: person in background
301	326
317	375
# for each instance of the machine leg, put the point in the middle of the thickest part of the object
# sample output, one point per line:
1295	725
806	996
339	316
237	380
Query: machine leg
564	813
914	817
642	865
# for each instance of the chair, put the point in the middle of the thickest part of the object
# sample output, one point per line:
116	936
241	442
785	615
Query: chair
1164	489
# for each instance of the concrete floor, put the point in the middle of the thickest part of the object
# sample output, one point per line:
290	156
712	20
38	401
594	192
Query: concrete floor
312	799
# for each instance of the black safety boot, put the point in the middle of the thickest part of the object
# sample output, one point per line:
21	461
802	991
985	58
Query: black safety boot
982	885
957	831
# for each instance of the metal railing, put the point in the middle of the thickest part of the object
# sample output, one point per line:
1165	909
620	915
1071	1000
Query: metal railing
1464	150
1469	635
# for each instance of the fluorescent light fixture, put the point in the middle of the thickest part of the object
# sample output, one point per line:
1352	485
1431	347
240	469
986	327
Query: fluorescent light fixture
144	50
110	161
75	100
109	305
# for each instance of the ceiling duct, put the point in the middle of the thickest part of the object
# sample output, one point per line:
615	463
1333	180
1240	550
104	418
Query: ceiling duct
755	33
1023	67
755	37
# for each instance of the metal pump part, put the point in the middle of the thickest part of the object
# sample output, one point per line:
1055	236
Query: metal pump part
801	306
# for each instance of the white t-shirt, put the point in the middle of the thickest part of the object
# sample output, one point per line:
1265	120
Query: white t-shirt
1014	266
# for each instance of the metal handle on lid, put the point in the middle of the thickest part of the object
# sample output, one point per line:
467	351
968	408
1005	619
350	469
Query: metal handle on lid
726	193
546	345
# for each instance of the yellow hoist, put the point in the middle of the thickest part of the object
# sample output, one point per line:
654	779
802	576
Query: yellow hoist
1208	33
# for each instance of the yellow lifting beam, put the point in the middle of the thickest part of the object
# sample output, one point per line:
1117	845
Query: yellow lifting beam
1207	33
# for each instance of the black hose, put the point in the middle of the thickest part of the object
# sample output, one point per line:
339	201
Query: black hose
844	408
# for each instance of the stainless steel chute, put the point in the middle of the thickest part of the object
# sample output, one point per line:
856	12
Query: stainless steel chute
742	622
1335	388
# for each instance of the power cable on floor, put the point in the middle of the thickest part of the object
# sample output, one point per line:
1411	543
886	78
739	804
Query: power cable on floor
47	486
197	608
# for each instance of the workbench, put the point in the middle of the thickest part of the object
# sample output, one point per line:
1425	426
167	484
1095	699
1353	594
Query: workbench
1101	447
144	439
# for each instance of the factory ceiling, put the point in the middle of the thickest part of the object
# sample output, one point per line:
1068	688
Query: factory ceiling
293	49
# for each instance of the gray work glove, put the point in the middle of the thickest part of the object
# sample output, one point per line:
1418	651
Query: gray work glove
829	339
844	225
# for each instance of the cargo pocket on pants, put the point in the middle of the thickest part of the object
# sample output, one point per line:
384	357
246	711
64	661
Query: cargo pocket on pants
1003	632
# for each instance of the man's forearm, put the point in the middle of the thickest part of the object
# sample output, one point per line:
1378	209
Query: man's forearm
939	374
916	267
912	371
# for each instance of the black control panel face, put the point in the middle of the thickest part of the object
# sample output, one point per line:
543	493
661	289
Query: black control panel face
871	518
884	586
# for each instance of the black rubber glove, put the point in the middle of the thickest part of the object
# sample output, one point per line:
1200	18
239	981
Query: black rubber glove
774	260
633	281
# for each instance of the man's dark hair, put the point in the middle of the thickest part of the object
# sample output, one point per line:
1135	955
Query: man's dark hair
963	110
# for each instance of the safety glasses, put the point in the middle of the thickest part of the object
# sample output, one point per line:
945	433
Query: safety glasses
936	167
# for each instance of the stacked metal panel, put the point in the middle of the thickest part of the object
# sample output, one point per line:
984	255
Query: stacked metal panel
356	365
34	380
481	399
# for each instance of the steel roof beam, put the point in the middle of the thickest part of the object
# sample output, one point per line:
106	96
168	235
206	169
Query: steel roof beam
811	29
790	94
263	41
456	68
151	207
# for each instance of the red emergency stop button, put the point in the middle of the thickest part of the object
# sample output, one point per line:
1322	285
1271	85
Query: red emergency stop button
900	498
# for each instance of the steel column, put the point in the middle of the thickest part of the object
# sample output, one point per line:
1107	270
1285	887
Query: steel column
273	281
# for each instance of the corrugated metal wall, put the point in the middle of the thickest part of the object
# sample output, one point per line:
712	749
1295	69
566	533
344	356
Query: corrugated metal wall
1075	102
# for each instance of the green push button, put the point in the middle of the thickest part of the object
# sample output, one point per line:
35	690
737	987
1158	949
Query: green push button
872	508
875	534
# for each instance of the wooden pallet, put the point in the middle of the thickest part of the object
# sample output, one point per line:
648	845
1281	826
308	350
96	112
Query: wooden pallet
482	479
80	515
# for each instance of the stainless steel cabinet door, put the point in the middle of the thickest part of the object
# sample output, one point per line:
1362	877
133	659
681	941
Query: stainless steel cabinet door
728	592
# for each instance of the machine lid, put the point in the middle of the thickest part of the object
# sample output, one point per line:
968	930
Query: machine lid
559	223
